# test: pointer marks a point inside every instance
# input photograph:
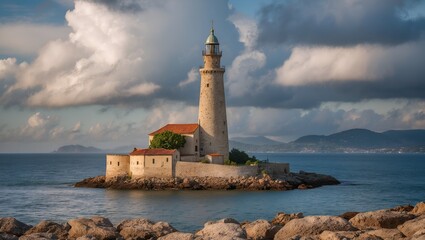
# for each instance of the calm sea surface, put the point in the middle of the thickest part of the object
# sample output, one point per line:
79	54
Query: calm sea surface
39	186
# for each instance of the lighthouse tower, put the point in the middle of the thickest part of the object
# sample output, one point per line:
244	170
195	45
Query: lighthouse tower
212	105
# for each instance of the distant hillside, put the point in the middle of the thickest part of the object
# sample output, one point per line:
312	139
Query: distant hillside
260	140
83	149
354	140
78	149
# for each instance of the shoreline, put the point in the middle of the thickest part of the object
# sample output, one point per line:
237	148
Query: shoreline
400	222
284	182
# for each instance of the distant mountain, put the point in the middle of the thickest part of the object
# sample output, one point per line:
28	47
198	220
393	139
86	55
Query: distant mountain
350	141
260	140
83	149
78	149
353	140
366	139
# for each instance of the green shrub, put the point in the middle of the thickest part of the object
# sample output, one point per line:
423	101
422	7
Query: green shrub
168	140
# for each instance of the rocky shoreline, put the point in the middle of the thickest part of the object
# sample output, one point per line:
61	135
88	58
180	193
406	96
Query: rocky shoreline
402	222
301	180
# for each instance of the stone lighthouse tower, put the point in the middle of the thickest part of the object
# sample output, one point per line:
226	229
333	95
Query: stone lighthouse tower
212	105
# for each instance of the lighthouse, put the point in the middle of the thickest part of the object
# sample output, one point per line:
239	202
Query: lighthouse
212	118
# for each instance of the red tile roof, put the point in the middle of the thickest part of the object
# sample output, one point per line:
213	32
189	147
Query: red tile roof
153	151
187	128
215	154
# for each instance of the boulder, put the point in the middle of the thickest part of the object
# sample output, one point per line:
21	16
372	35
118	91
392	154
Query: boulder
88	227
86	237
142	228
223	220
383	233
282	218
223	231
260	230
6	236
178	236
419	235
380	219
411	227
39	236
348	215
339	235
59	231
313	225
402	208
12	226
419	209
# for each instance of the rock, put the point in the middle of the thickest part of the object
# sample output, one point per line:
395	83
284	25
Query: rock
59	231
403	208
313	225
348	215
178	236
419	235
223	231
282	218
339	235
142	228
83	227
86	237
6	236
260	229
12	226
302	186
419	209
383	233
411	227
224	220
39	236
380	219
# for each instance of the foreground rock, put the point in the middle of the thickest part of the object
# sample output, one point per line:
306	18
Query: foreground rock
380	219
290	181
313	225
11	226
402	222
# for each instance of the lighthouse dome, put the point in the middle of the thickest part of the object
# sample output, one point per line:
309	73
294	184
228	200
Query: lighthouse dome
212	39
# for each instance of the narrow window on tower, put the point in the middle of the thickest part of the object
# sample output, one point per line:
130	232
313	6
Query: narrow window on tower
208	85
118	164
196	148
153	161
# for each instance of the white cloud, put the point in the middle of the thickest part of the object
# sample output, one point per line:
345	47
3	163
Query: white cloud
241	79
312	65
28	38
192	76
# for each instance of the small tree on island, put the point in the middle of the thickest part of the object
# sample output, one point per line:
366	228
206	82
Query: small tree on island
240	157
167	140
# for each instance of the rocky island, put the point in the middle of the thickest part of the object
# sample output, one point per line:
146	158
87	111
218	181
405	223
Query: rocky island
402	222
301	180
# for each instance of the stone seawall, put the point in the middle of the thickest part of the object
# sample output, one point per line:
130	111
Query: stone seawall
188	169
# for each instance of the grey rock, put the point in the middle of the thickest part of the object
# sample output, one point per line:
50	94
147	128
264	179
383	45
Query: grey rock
12	226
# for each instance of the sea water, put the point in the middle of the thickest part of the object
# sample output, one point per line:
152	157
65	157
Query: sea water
34	187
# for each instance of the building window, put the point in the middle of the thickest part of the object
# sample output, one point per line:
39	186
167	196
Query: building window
208	85
118	164
166	159
223	132
224	122
210	143
137	162
153	161
196	148
110	163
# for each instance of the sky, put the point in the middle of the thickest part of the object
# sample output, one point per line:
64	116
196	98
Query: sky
105	73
